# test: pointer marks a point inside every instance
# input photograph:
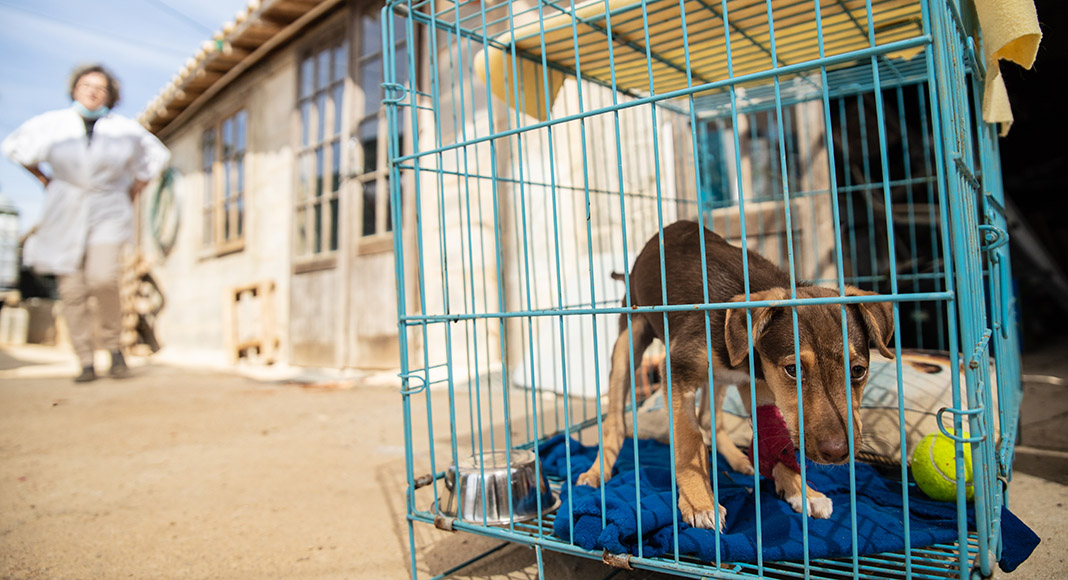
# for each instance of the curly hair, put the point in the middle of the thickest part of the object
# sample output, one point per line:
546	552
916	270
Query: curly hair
113	83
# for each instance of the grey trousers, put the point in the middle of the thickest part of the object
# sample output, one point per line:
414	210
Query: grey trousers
99	279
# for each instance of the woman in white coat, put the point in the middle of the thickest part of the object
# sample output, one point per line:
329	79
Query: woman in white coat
93	163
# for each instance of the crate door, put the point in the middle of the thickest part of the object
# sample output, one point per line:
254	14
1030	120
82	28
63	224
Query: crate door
749	168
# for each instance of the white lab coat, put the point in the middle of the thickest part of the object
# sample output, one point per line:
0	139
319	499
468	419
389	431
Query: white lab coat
87	202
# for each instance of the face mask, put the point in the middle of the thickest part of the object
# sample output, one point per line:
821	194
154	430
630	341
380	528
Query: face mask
87	114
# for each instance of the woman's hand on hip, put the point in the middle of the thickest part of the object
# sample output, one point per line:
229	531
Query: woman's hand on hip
136	188
40	175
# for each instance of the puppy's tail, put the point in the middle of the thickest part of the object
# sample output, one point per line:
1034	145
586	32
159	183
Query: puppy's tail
619	276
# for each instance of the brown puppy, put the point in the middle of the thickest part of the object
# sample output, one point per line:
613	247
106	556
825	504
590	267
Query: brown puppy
775	367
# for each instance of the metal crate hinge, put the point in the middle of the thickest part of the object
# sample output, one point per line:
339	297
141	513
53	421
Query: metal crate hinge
1006	455
993	205
617	560
973	362
977	569
976	63
966	172
444	523
423	481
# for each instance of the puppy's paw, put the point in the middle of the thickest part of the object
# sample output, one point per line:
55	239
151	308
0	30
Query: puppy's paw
819	506
741	464
705	519
592	478
735	457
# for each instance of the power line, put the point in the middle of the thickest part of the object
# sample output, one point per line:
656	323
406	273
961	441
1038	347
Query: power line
94	31
181	16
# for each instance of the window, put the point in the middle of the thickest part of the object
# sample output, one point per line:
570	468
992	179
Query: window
759	145
373	172
223	165
321	101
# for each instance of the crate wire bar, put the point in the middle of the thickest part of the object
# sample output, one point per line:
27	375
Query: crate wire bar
539	144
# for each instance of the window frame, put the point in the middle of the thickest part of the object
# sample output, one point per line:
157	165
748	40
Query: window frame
322	134
219	209
381	238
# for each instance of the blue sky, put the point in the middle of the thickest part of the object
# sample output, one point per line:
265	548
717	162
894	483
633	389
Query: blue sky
145	42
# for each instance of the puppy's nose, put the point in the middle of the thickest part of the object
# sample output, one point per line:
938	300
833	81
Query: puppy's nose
834	450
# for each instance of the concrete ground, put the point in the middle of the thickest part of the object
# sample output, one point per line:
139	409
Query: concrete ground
179	473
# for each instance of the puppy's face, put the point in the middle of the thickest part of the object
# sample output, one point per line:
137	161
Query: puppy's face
820	363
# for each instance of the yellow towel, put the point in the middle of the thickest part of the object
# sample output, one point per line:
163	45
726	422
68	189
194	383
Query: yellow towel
1010	32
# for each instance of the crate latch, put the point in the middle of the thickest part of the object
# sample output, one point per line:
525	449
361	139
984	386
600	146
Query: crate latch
954	436
405	377
393	93
993	236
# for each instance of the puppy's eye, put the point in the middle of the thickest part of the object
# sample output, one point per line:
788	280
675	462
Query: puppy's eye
791	371
858	372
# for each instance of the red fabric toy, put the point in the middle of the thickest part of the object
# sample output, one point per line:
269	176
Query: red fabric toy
776	446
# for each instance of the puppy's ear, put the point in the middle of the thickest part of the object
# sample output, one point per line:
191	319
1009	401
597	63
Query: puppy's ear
735	332
878	318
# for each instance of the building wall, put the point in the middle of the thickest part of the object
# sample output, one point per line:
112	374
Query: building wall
344	315
334	312
198	321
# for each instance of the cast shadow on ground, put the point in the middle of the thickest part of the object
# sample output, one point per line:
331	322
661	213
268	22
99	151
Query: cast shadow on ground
9	361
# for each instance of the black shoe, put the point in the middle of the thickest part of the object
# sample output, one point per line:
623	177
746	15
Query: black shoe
119	370
88	375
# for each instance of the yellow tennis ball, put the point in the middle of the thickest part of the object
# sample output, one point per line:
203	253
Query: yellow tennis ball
934	467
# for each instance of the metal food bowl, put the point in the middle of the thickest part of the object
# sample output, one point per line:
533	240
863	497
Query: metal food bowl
491	473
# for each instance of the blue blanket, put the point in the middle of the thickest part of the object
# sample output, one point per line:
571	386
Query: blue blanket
878	508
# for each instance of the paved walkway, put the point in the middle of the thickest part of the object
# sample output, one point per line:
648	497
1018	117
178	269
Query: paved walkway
179	473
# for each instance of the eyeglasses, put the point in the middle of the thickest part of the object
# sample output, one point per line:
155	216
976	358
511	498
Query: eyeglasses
91	88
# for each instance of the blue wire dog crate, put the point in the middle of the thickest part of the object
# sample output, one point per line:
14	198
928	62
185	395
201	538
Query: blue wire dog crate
536	146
